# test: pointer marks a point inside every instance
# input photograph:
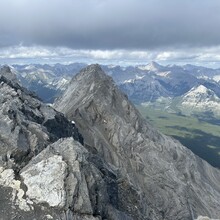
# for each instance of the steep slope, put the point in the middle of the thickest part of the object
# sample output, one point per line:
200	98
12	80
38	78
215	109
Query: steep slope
200	99
45	171
153	67
144	88
27	124
201	71
48	81
120	74
155	81
177	81
158	177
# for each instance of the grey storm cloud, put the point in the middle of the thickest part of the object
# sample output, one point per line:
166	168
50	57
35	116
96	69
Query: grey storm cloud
110	24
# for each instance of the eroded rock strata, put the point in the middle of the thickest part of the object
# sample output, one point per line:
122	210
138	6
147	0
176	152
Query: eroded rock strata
119	168
162	178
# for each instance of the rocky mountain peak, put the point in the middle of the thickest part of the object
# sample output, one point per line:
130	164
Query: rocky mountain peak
5	71
200	99
201	92
92	85
27	125
157	177
92	74
201	89
45	171
154	66
97	90
93	68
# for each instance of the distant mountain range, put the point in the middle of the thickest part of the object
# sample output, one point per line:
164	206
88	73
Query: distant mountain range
168	87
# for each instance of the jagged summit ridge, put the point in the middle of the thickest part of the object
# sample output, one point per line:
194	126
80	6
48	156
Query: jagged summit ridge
93	68
201	90
96	88
200	99
152	66
93	71
90	82
45	171
31	173
26	123
5	71
167	180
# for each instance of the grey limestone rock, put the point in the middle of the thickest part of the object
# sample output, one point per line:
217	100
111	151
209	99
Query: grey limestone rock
26	124
157	177
61	182
45	171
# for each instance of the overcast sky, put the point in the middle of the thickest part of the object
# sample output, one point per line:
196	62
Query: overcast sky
110	31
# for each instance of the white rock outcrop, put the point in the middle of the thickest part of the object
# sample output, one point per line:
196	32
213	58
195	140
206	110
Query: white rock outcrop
204	218
45	181
7	179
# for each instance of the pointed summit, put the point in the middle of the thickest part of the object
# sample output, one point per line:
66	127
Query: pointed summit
201	89
6	72
200	99
201	94
91	83
5	68
151	168
92	68
93	71
152	66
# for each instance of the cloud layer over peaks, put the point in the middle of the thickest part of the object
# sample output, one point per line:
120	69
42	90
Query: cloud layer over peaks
110	24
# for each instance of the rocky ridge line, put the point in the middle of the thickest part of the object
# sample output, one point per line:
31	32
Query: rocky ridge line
44	172
158	177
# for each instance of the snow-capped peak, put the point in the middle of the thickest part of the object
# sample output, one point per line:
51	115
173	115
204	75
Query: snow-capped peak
200	89
152	66
201	99
201	92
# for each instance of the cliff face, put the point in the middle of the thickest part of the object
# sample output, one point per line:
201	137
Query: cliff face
45	172
26	124
157	177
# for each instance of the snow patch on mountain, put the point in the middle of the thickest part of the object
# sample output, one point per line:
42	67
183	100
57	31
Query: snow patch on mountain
152	66
201	99
217	78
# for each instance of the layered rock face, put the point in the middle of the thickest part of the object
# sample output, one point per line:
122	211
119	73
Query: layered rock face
45	171
157	178
26	125
65	182
120	168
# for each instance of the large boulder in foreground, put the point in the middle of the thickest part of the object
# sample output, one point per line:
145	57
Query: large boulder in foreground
64	181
